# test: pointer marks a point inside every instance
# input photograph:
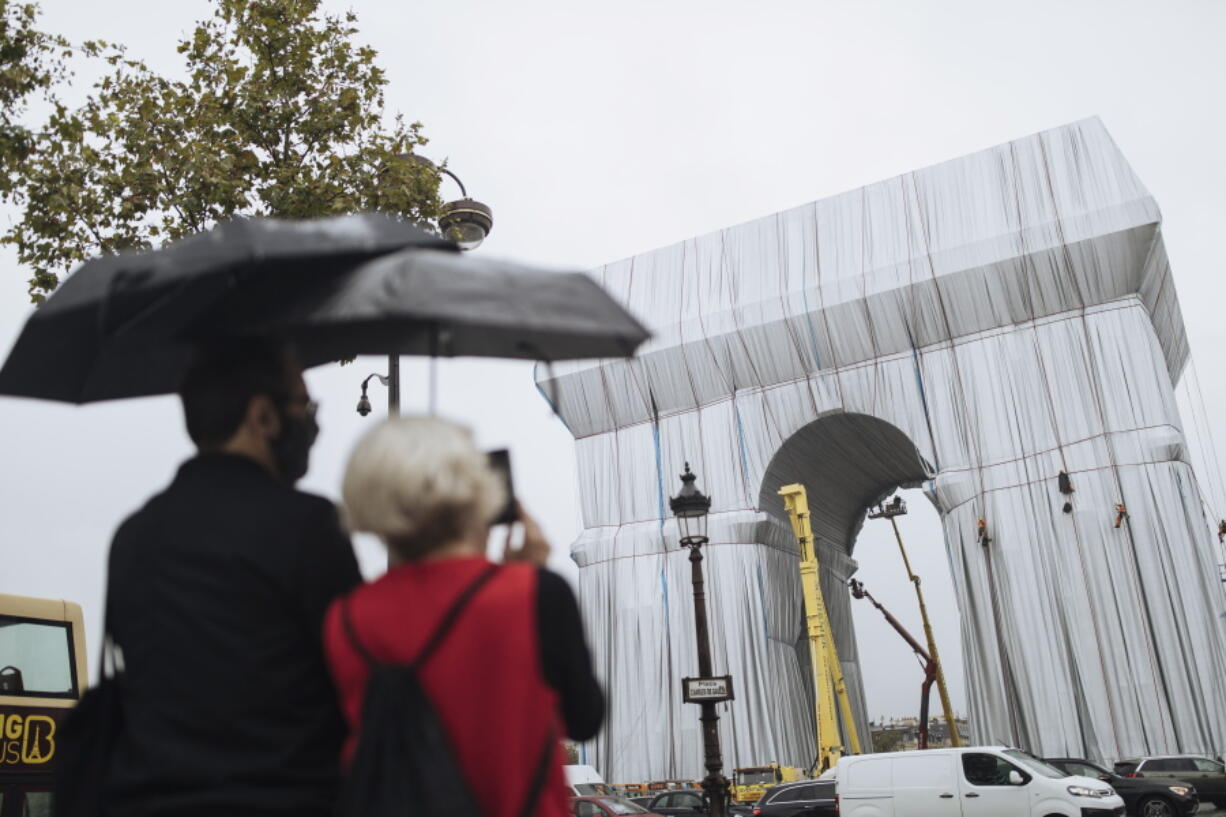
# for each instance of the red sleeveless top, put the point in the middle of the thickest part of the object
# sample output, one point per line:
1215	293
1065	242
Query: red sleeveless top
485	680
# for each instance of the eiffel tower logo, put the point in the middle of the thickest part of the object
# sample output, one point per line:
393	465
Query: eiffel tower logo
38	742
34	755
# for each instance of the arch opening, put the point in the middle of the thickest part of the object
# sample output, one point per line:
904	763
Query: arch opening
847	463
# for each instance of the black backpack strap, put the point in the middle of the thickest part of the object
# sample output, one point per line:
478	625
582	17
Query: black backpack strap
440	633
452	616
539	775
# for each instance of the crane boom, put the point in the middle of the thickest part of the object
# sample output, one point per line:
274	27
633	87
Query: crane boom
827	670
930	667
897	507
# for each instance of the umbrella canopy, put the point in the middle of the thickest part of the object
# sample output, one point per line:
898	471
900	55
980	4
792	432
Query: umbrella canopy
114	328
437	304
128	325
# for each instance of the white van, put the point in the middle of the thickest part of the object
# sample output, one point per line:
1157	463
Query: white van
979	781
584	780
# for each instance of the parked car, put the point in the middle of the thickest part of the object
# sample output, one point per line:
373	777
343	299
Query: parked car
605	806
1208	776
1143	796
689	803
976	781
801	798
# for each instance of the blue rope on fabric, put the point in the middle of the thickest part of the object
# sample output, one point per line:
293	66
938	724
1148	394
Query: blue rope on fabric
655	437
740	438
766	630
919	382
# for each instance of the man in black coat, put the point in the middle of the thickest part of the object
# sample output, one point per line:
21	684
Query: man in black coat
215	597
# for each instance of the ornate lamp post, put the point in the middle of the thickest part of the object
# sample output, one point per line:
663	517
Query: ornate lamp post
691	508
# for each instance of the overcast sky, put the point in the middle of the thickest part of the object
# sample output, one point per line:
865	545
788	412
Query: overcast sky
600	131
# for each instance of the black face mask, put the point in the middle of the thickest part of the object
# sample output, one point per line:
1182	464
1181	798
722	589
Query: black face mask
292	447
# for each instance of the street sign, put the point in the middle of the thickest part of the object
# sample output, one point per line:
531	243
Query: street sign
703	690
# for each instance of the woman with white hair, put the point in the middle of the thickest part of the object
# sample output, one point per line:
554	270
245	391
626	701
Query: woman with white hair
508	670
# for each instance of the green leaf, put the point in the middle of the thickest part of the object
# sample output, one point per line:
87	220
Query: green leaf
276	110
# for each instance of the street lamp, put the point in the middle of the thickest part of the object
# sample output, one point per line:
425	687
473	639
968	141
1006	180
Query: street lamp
691	508
393	400
468	222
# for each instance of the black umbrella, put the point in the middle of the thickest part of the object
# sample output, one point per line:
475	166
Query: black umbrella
114	328
130	327
437	304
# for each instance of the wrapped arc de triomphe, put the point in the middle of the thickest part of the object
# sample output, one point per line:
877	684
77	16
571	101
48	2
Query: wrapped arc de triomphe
974	328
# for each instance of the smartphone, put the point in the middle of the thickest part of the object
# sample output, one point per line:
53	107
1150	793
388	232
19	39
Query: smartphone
500	461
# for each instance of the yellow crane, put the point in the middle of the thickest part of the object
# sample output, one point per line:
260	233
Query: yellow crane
827	671
889	510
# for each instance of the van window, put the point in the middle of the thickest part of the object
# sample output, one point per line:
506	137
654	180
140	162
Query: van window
869	774
923	771
1032	764
987	770
1203	765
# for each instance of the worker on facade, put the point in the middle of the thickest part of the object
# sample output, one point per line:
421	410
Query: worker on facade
216	593
506	664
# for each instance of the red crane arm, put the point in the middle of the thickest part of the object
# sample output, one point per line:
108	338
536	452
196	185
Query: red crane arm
930	669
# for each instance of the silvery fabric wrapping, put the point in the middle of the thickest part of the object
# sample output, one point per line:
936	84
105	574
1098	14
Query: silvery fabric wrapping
973	328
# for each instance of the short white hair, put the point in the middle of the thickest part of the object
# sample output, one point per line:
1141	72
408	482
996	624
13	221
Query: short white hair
419	478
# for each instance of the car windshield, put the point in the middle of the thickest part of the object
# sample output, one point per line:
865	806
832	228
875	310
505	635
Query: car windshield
1088	769
616	805
1033	764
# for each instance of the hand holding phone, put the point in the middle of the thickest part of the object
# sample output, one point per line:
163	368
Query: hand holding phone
500	464
534	548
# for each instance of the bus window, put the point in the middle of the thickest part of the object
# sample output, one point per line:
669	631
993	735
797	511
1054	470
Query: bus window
36	658
24	801
38	804
42	674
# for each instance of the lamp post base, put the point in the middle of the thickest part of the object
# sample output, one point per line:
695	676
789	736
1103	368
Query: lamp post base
714	784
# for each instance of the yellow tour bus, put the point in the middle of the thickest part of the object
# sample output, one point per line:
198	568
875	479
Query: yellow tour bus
42	675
